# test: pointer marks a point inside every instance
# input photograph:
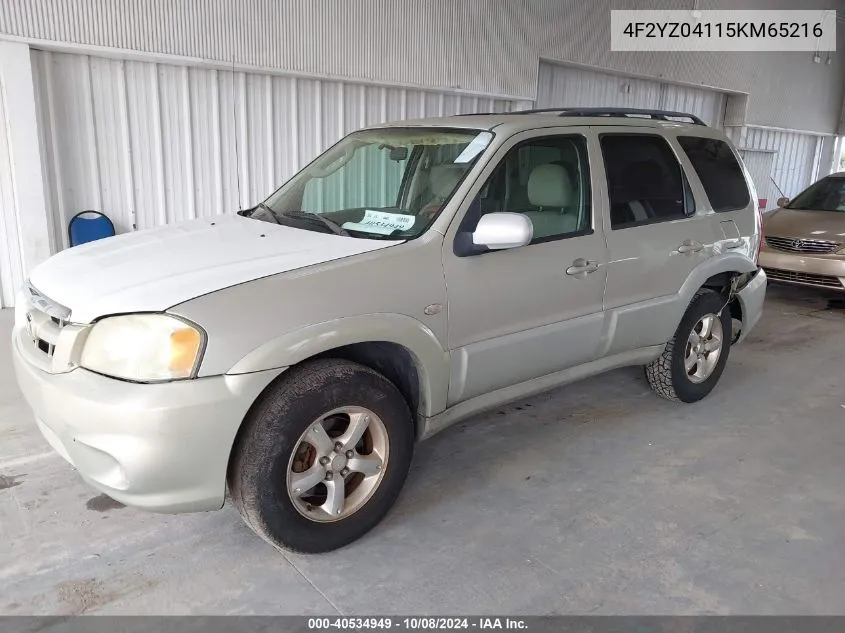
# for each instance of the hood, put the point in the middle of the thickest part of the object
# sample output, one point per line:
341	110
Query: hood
155	269
816	225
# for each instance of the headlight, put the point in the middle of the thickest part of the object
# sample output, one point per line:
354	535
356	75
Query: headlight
143	347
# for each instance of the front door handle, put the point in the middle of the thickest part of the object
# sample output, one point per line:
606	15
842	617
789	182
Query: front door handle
690	246
581	268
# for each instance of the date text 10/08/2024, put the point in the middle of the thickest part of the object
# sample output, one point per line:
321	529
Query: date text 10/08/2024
416	623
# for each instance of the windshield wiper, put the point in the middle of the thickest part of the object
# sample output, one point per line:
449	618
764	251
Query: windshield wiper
375	236
333	226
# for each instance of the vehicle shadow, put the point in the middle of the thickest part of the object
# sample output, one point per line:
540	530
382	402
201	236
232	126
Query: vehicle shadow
531	441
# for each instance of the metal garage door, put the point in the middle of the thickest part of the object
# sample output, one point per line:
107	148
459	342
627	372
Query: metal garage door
795	160
568	86
151	143
759	164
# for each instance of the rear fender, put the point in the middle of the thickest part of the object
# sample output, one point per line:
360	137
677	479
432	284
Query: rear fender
726	263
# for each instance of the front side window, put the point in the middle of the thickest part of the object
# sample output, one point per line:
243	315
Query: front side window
828	194
546	179
644	180
719	172
389	183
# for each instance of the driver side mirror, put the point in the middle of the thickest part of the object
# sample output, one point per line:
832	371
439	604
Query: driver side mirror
782	202
499	231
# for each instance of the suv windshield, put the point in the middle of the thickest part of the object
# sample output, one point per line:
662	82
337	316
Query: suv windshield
828	194
388	183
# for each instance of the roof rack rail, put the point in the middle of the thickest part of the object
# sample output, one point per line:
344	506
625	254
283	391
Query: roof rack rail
661	115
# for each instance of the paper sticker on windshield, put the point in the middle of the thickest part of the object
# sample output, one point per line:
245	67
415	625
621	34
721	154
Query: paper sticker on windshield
475	147
382	222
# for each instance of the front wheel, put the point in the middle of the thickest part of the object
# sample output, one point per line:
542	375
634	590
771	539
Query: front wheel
323	456
693	361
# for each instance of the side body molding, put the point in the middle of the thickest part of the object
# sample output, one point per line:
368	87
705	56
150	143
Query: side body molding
431	360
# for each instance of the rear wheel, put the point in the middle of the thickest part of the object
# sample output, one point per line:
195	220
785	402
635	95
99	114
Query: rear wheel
694	359
323	456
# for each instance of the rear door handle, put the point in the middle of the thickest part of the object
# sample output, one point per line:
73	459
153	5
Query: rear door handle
690	246
581	268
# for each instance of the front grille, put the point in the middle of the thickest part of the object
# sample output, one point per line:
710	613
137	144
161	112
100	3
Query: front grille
43	330
801	245
45	320
809	279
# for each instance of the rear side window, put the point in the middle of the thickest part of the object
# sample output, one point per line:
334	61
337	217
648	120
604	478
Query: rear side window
719	172
644	179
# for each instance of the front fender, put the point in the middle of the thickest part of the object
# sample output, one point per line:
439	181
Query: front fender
431	360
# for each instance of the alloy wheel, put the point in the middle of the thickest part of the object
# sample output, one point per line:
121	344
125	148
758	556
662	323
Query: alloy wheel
338	463
703	348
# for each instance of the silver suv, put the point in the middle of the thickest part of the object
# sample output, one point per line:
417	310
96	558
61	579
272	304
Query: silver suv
414	274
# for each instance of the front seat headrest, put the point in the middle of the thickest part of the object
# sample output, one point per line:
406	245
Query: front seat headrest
549	185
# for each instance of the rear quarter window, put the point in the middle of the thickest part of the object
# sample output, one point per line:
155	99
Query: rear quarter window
719	172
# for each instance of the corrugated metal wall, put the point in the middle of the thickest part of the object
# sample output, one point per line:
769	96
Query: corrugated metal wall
486	46
707	104
796	156
413	41
566	86
151	143
11	264
569	86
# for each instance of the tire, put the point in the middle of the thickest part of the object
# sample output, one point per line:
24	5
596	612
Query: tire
273	450
668	376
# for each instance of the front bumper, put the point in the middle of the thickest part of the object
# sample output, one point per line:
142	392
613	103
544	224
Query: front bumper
162	447
802	269
751	298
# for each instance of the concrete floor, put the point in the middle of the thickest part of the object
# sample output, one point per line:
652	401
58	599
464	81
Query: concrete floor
597	498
